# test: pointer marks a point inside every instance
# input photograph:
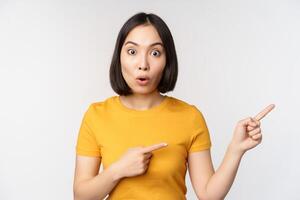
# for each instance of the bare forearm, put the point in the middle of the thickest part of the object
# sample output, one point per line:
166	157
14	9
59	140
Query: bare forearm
220	183
97	187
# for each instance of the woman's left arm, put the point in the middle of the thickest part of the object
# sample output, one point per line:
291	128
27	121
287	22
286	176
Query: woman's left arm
211	185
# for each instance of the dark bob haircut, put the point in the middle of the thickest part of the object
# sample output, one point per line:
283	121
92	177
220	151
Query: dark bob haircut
169	77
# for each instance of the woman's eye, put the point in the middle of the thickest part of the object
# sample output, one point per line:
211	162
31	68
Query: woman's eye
131	51
156	53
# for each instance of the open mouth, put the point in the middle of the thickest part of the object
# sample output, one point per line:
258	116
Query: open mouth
142	81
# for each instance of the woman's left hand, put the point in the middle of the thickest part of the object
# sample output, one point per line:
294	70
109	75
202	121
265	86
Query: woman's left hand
247	133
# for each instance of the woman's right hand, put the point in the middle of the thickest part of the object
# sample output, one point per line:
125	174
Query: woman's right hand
135	161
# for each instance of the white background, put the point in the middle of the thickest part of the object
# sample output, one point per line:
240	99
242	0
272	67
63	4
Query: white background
235	58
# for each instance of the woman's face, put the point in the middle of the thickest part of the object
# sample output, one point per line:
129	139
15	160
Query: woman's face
143	54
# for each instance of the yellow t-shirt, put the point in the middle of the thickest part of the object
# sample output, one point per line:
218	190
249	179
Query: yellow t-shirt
109	128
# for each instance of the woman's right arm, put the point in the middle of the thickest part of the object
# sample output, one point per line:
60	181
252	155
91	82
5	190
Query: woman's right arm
89	184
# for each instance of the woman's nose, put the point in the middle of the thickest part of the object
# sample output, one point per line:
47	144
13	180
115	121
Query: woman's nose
143	68
143	63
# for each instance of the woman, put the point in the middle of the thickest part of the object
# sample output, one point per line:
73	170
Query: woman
146	141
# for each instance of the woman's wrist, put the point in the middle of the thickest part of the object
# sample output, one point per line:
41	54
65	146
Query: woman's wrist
116	172
233	149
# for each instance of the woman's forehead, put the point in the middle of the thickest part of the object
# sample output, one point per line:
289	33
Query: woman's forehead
143	35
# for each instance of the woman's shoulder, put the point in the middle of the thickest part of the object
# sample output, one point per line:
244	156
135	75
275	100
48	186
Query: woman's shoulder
182	104
99	105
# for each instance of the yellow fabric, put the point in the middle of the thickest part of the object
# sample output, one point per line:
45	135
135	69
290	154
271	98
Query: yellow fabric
109	128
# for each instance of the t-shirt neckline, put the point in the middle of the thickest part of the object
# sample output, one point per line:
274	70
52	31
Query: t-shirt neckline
152	110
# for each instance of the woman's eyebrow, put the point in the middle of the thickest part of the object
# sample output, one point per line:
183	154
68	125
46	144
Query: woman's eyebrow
134	43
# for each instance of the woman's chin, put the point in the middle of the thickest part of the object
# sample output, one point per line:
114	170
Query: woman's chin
143	90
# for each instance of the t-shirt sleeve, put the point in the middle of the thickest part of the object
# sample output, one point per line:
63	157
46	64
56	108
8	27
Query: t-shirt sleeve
86	140
200	138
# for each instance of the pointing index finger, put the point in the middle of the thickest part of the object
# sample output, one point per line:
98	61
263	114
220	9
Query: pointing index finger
264	112
154	147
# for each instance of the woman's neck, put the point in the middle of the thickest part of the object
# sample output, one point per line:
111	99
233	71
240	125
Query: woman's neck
142	101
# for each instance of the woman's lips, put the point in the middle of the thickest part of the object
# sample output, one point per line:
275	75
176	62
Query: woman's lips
142	81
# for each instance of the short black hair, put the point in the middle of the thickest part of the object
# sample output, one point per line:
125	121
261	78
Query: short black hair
170	73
